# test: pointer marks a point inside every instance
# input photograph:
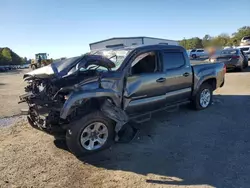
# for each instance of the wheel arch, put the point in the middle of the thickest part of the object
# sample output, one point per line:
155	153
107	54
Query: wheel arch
211	80
77	99
109	104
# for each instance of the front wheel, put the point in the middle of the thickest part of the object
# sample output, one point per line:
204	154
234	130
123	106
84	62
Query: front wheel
92	133
203	97
194	56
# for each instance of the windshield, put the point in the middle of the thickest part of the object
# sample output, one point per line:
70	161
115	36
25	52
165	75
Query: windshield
62	64
42	56
117	56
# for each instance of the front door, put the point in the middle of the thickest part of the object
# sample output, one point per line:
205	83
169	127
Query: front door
145	86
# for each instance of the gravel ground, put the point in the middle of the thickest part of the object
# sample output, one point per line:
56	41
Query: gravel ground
184	148
11	86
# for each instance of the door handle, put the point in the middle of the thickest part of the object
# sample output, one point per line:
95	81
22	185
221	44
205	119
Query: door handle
186	74
161	80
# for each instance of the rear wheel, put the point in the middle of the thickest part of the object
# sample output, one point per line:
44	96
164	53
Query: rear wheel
203	97
92	133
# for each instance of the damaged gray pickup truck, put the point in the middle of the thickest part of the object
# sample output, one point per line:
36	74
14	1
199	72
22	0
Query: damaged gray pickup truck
91	98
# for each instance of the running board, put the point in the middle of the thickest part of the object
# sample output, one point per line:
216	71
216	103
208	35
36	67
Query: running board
147	116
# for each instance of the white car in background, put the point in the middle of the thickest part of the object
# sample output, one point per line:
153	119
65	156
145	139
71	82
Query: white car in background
246	50
198	53
245	41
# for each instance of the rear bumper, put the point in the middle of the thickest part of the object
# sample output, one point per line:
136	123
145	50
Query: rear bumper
232	66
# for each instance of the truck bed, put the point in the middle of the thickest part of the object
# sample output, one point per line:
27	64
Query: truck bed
198	62
203	68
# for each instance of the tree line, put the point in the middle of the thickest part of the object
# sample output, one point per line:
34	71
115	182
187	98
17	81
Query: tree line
221	40
8	57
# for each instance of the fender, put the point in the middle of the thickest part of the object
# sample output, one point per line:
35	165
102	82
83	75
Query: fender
200	80
79	95
115	113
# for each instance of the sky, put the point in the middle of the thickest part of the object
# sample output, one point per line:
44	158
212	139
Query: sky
64	28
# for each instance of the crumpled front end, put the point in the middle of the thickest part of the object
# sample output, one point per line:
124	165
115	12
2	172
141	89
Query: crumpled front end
47	97
44	104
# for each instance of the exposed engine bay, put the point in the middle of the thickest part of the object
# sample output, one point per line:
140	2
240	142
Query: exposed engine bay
49	88
46	98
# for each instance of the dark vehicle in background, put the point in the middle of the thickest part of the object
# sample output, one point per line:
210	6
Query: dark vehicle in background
90	99
234	59
4	68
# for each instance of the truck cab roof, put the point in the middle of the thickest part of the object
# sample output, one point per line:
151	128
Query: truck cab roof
154	46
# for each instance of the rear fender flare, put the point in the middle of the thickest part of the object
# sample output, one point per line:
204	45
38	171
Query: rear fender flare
201	81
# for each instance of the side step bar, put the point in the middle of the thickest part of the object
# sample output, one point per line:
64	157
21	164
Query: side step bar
147	116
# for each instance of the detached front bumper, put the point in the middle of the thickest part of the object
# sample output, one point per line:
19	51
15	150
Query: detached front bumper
25	97
44	119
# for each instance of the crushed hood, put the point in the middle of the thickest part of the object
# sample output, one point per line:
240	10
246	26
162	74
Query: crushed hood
62	68
43	72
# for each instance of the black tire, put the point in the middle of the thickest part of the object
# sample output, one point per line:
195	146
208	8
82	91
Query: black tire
194	56
73	134
246	64
196	100
240	69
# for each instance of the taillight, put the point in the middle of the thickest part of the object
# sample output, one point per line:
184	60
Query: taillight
235	57
212	60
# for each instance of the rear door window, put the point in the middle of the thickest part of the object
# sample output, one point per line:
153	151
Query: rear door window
173	60
200	50
230	52
193	50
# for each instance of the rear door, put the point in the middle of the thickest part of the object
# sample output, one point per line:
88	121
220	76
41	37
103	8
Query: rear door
246	50
179	76
245	58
